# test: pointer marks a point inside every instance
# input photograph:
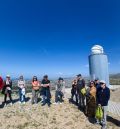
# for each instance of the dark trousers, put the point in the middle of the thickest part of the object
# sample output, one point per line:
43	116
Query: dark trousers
8	94
58	96
81	100
76	96
46	96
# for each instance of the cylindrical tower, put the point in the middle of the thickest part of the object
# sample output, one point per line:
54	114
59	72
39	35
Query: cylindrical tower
98	64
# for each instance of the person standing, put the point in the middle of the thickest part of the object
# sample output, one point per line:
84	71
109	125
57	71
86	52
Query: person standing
60	89
74	91
35	90
1	84
91	100
7	90
103	96
46	91
80	86
21	86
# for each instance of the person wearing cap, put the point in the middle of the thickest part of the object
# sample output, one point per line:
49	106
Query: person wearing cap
7	90
45	84
60	89
21	86
80	86
35	90
74	91
103	96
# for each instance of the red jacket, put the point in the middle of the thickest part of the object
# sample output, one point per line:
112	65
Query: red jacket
1	83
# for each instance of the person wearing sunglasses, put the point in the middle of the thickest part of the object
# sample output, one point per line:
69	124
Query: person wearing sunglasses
91	100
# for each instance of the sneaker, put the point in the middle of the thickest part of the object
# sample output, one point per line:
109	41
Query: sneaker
19	102
61	103
49	104
55	103
5	105
104	127
11	104
43	104
23	102
97	123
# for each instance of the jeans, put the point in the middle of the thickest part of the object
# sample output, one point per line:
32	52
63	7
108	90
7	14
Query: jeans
8	94
58	96
104	115
76	96
21	96
46	96
35	96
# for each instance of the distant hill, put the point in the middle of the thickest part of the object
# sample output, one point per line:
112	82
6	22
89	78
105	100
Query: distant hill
115	76
115	79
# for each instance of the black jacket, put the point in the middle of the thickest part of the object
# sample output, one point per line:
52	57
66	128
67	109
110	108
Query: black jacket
103	96
80	84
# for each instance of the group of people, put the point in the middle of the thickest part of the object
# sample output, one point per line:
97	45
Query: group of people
89	98
41	88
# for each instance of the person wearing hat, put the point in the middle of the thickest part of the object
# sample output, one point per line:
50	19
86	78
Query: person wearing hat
35	90
80	86
103	96
60	88
7	90
46	91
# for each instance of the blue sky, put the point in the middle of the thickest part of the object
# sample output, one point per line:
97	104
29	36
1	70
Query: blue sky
55	37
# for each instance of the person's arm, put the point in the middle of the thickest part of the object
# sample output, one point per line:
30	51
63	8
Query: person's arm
18	84
108	95
63	88
24	83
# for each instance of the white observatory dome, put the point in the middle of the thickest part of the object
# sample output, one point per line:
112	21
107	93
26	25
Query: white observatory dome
97	49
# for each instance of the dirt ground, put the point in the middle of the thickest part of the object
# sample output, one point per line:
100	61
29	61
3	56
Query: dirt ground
65	116
115	95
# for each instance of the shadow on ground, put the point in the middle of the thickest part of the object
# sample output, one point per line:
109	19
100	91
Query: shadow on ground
113	120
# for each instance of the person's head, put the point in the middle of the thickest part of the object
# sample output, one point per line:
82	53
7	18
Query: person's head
8	77
102	84
35	78
79	76
60	79
21	78
97	81
75	81
92	84
46	77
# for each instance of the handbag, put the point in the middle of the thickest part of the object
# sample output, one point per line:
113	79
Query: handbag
83	91
99	113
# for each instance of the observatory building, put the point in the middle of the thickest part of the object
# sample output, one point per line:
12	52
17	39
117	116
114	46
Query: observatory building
98	64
